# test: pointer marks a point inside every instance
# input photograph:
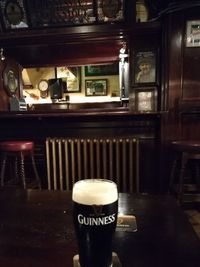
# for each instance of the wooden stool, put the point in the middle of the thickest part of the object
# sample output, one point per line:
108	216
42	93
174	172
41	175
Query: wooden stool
185	151
18	150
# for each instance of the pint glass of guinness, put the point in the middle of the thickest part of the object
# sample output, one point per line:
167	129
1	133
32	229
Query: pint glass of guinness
95	207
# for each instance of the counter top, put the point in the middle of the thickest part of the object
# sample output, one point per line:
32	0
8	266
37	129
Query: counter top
78	113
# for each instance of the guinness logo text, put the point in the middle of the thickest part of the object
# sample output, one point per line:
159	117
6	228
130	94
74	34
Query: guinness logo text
96	221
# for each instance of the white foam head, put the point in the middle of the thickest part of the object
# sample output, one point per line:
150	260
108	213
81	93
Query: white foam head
95	192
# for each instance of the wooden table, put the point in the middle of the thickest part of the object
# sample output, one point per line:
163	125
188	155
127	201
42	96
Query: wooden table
36	230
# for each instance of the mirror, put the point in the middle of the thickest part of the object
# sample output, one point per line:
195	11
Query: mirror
91	83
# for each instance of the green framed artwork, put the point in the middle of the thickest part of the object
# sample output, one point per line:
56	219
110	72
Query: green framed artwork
96	87
102	70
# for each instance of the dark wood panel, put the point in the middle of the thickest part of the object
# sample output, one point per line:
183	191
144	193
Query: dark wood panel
59	54
149	162
70	45
174	58
3	94
190	124
191	77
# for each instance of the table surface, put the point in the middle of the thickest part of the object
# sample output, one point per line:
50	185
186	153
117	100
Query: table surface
36	230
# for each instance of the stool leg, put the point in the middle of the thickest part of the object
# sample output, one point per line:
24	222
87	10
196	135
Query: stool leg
197	174
3	166
35	171
181	177
16	169
22	170
172	175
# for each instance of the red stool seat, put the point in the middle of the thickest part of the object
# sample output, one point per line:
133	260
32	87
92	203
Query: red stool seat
17	151
186	146
16	146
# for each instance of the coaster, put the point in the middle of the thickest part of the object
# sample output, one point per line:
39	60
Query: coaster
116	261
126	223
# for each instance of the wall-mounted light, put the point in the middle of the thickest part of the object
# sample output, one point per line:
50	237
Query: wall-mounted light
123	53
2	57
122	59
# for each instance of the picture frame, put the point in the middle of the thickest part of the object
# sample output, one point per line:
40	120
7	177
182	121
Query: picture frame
102	70
96	87
146	99
110	11
71	77
13	14
11	80
145	67
193	33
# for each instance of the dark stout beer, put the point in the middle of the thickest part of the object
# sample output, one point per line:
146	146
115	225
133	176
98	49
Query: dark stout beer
95	215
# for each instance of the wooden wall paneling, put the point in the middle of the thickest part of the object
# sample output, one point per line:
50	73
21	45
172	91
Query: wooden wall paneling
74	54
3	94
149	162
171	89
189	100
190	125
180	86
191	58
175	58
173	83
70	45
191	74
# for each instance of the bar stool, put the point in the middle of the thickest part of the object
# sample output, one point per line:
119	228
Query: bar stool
185	151
16	151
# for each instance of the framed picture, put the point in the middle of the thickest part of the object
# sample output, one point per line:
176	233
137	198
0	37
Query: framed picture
71	77
193	33
11	80
96	87
110	10
145	67
146	99
102	70
13	14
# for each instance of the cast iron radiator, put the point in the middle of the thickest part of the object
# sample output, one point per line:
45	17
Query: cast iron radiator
69	160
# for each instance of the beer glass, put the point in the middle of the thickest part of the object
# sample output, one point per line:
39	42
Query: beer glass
95	207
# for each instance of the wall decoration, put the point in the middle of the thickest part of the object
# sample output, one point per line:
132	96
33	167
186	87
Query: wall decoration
146	99
145	67
37	14
13	14
141	11
11	81
102	70
48	13
71	77
193	33
96	87
110	10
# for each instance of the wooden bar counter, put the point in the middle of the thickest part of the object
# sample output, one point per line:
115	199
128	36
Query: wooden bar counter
89	123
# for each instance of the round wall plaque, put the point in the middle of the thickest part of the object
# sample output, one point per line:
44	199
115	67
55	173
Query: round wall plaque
13	12
10	79
111	8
